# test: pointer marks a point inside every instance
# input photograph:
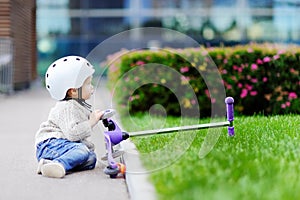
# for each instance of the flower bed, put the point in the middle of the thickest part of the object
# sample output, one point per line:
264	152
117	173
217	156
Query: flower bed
262	78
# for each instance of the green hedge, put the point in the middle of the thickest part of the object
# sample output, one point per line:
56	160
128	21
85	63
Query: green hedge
262	78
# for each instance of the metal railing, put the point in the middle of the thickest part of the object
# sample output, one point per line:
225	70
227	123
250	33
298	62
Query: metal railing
6	65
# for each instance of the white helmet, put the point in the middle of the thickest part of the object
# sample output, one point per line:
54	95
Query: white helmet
66	73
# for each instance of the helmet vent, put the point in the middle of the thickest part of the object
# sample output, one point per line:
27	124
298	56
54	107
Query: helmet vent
88	64
47	75
65	60
54	65
77	58
48	86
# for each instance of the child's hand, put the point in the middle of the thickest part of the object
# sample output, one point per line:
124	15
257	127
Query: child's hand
95	116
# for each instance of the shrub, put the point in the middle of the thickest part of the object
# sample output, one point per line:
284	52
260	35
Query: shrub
262	78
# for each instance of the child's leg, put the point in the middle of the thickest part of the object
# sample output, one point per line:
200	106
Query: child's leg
69	154
89	164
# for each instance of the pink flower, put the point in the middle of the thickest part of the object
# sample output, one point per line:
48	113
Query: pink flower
244	65
288	104
204	53
267	59
239	69
244	93
250	50
207	93
213	100
184	79
254	80
275	57
248	87
283	106
224	71
265	79
259	61
228	86
140	62
113	68
254	66
225	61
240	85
292	70
253	93
281	52
184	69
193	102
235	79
292	95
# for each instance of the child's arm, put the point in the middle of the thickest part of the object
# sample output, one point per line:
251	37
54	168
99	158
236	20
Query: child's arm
95	116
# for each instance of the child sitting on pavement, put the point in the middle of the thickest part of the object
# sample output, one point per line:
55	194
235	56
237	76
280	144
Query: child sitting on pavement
62	143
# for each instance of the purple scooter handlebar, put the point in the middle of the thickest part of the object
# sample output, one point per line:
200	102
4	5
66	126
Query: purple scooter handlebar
230	114
115	135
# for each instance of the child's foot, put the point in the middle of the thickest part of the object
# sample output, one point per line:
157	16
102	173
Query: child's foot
40	164
53	170
115	154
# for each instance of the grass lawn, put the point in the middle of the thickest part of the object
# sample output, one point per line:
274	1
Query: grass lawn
262	161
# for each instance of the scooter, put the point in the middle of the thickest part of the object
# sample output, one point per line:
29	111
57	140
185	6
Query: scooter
114	135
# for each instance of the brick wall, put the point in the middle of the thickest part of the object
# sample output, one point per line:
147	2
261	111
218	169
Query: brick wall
18	22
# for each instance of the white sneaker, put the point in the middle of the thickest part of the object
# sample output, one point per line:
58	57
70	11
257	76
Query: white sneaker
40	164
53	170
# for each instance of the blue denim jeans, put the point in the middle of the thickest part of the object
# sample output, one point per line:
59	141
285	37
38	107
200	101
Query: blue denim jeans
74	156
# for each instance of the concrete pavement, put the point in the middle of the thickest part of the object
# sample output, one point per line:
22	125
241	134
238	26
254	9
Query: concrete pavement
20	117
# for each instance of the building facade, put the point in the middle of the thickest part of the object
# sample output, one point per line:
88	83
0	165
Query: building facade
77	26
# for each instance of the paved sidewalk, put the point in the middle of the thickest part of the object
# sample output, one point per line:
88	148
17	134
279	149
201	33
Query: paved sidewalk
20	117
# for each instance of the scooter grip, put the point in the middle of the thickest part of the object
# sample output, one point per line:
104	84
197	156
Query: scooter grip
108	114
229	108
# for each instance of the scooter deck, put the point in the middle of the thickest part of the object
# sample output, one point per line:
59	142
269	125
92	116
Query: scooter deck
180	128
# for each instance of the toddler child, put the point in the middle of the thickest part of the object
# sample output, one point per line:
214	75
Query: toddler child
62	143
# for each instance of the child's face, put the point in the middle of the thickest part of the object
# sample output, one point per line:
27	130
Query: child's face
87	88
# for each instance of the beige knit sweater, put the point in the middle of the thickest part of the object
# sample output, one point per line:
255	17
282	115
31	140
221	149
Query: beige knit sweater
68	120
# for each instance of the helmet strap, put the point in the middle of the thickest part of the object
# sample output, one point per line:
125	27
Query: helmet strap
79	93
81	101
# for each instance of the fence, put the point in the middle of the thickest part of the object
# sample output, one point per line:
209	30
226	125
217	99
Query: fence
6	66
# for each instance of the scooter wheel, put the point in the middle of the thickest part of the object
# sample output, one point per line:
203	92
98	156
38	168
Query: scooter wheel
113	176
111	172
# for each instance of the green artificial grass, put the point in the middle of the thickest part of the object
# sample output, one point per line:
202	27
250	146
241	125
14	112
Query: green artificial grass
262	161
